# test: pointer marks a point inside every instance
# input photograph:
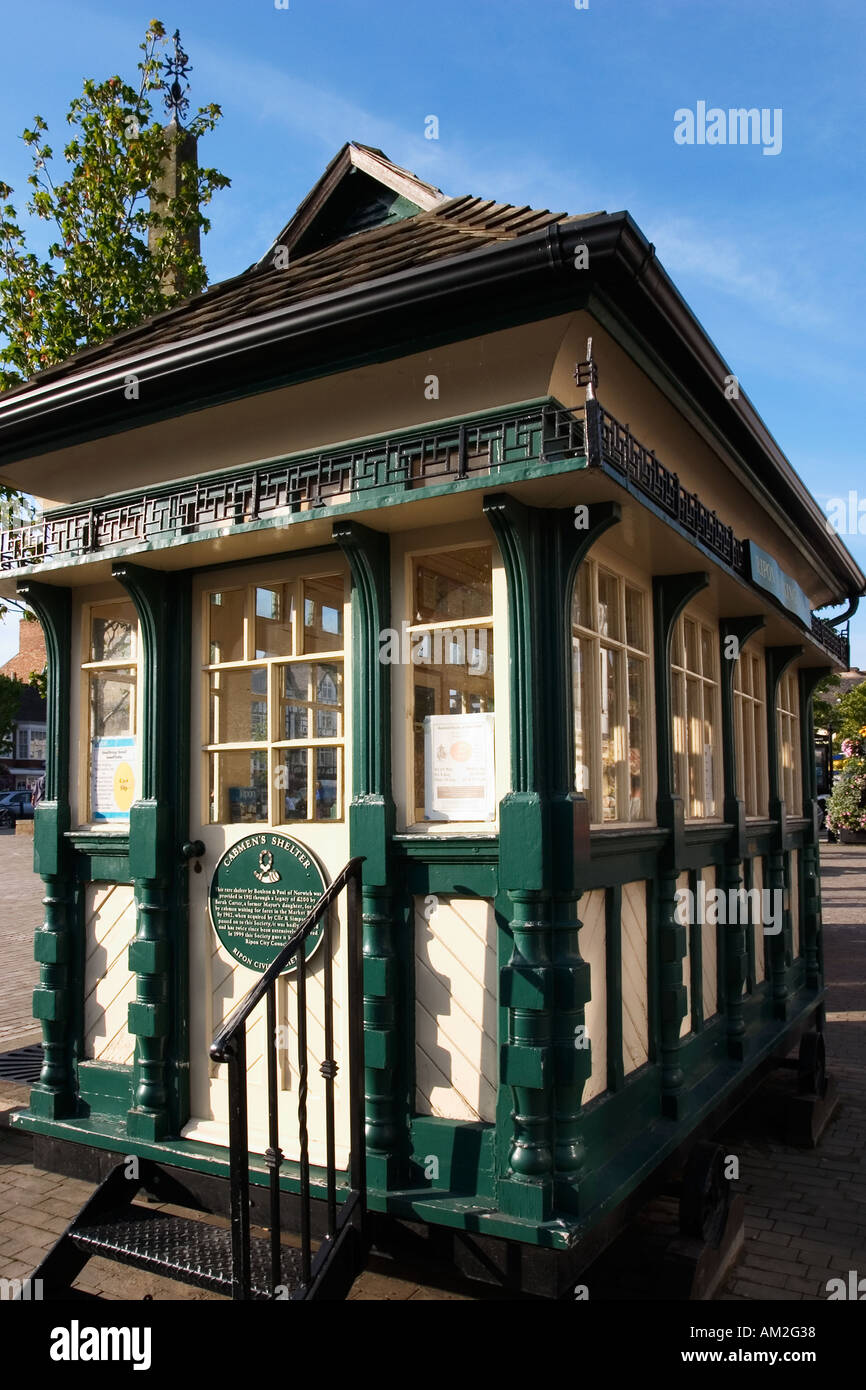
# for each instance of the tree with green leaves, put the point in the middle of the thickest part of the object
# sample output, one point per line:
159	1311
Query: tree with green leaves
852	712
11	692
118	252
826	711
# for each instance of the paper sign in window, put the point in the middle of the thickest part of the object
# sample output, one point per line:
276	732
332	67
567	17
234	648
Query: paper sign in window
459	782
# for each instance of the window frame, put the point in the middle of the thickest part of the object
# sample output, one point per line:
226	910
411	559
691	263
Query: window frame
681	676
431	676
624	653
751	754
273	746
86	669
790	779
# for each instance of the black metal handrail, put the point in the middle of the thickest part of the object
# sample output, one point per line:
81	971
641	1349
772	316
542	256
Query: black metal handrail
230	1045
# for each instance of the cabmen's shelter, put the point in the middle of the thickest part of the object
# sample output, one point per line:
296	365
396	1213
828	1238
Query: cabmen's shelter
429	841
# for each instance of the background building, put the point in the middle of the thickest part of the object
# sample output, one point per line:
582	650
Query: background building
25	762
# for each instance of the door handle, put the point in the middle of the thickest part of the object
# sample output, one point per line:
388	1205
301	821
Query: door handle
193	849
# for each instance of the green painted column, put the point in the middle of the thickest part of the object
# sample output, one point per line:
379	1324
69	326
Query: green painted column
671	593
811	858
544	842
157	826
371	826
734	633
779	946
54	1095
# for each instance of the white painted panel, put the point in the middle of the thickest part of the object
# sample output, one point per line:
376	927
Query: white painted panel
455	1009
109	985
758	882
593	943
709	952
635	1012
796	925
686	1025
229	982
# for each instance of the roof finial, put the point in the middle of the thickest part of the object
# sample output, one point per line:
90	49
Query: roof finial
177	68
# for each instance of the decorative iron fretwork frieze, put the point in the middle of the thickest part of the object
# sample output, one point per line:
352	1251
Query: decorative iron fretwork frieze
646	472
437	457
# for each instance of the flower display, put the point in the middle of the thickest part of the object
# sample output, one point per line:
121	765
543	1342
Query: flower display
846	808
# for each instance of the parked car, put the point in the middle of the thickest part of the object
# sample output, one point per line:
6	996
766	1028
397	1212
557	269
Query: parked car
17	805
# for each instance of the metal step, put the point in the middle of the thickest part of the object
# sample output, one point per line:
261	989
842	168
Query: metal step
176	1247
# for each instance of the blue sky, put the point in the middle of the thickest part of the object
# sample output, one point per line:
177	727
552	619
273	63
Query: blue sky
541	103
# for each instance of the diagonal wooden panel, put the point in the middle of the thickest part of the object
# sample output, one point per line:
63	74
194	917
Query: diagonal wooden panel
593	947
109	985
635	1015
760	940
686	1025
456	1009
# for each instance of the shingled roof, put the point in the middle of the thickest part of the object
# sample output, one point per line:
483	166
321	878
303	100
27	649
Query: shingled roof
442	228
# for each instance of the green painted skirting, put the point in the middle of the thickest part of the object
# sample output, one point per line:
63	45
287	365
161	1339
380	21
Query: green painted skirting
610	1185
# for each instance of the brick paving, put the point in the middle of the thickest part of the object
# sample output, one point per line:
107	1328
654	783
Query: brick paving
805	1209
20	915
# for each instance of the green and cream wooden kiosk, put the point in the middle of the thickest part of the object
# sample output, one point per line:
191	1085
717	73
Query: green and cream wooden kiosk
369	567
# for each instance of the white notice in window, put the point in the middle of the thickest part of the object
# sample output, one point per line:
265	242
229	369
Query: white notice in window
709	781
459	783
112	778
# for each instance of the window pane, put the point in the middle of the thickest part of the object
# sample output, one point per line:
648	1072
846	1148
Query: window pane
455	584
112	703
635	630
708	750
637	703
610	720
226	612
742	717
708	655
239	706
328	693
294	781
757	678
750	760
450	690
582	665
694	728
680	741
580	608
112	633
239	787
275	611
691	636
327	783
323	614
37	744
608	605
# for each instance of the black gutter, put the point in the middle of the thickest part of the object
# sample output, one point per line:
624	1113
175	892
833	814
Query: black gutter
379	319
